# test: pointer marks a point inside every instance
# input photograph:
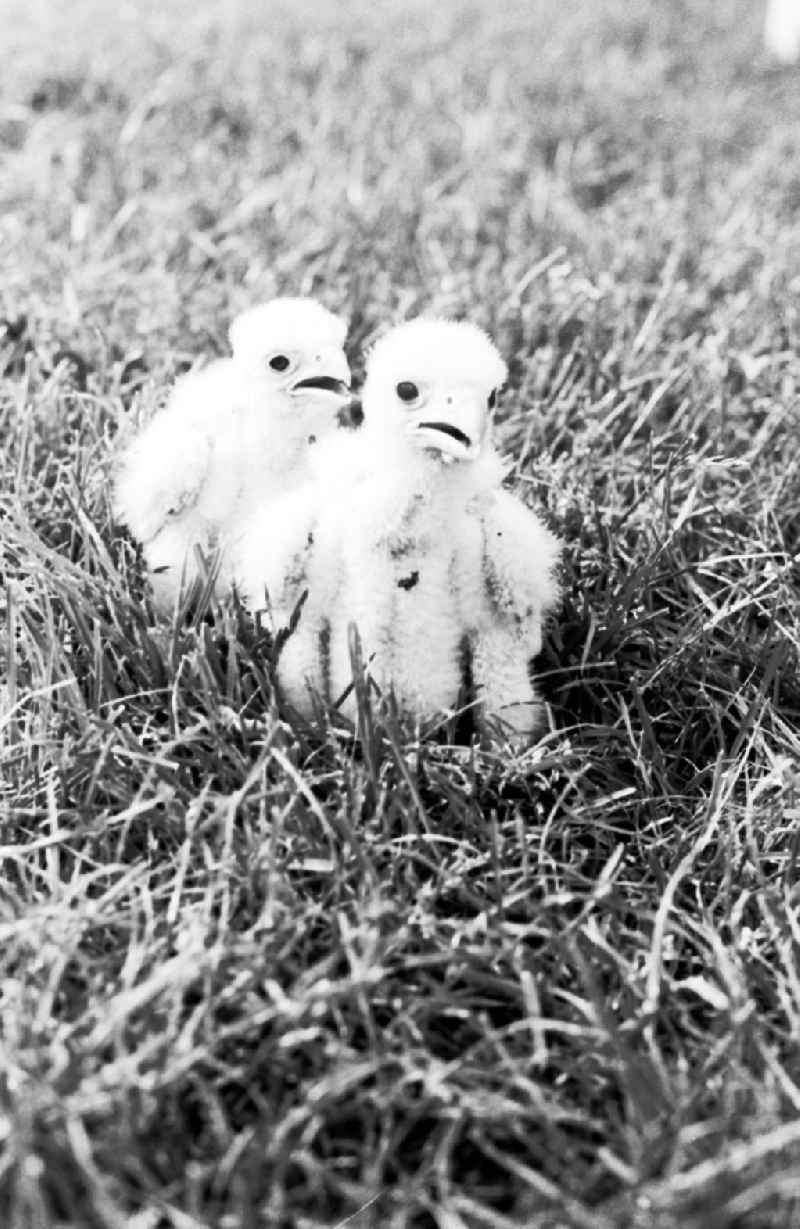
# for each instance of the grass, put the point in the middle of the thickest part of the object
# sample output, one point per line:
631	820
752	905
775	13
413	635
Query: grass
262	976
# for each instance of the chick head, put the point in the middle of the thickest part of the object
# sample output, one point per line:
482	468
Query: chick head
434	382
293	348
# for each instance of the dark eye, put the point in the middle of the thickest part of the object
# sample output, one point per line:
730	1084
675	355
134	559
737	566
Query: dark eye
407	391
279	362
492	398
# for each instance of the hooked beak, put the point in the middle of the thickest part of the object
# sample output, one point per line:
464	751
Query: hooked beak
326	375
454	427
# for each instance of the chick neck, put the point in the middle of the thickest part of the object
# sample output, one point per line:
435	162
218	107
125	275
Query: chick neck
400	457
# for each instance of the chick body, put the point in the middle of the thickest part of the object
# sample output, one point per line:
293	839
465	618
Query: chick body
408	535
231	435
401	582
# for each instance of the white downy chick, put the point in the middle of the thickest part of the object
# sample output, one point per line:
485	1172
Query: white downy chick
446	576
230	435
782	30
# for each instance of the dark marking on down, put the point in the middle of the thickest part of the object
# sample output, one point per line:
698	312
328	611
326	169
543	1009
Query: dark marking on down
408	582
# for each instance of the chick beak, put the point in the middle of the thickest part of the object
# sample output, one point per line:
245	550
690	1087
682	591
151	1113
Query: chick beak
325	375
453	426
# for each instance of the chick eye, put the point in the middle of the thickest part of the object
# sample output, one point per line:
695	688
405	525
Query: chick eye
280	362
492	398
407	391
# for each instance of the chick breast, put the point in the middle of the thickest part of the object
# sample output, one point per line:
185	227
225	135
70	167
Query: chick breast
399	588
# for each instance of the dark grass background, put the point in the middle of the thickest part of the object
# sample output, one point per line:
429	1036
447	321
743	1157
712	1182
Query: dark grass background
252	976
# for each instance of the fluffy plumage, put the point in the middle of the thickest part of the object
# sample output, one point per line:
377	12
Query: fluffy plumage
406	534
231	435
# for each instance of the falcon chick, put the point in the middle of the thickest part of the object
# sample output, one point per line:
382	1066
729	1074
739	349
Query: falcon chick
782	30
230	435
406	533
